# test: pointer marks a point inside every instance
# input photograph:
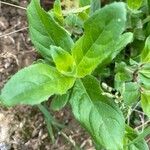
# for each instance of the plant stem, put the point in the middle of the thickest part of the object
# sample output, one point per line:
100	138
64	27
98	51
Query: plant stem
50	130
50	121
47	115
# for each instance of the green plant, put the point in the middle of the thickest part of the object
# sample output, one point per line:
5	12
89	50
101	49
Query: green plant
111	43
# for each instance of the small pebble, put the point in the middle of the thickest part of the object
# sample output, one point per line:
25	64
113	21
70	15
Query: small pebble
3	146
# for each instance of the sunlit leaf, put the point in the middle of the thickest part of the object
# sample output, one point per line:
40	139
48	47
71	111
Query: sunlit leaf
34	84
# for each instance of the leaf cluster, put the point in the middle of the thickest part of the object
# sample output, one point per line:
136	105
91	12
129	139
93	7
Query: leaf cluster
97	59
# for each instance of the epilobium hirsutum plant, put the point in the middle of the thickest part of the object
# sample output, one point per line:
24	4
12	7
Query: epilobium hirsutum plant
95	58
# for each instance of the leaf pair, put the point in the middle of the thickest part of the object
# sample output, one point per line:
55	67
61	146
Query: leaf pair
101	42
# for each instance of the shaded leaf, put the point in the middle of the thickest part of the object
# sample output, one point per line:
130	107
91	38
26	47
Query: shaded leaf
122	42
131	144
145	70
131	93
145	55
144	76
95	5
74	24
59	102
123	74
145	101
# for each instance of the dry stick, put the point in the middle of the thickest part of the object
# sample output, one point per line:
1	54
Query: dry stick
138	111
141	126
131	111
13	5
148	140
70	140
142	121
3	35
13	27
65	12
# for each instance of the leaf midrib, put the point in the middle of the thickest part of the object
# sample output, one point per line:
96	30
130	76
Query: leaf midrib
96	109
92	43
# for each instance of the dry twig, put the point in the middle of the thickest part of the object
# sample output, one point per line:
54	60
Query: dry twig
13	5
3	35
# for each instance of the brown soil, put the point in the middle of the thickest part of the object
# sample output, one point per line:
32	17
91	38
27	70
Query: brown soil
23	127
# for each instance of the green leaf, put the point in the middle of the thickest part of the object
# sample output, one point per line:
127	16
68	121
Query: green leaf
63	60
123	74
59	102
97	114
74	24
122	42
145	101
148	2
142	135
144	82
145	55
84	2
134	4
131	93
58	11
134	141
44	31
34	84
76	11
145	70
144	76
102	38
95	5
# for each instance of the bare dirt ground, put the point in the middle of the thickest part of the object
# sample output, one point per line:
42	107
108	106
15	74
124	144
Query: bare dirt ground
23	127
